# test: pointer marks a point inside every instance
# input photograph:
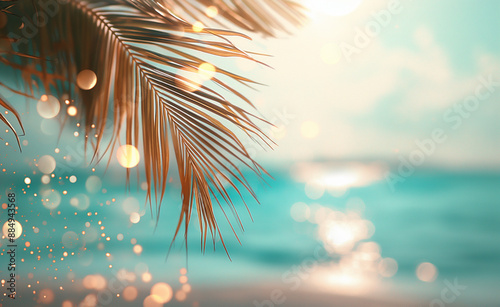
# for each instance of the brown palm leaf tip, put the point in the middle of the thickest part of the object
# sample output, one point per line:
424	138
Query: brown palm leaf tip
136	49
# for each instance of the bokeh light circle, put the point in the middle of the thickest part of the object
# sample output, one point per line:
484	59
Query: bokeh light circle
72	111
48	106
70	239
67	304
131	205
86	80
135	217
426	272
93	184
46	164
162	292
51	199
80	202
45	179
300	212
152	301
45	296
206	71
128	156
18	229
314	189
130	293
388	267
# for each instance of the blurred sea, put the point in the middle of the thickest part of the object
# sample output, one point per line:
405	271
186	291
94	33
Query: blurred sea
449	219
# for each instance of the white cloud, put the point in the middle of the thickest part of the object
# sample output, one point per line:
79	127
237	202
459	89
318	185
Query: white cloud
421	78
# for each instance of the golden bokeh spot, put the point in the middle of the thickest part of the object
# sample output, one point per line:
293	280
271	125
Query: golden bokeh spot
67	304
48	106
135	217
180	295
162	293
45	296
7	229
388	267
137	249
186	288
46	164
128	156
198	27
152	301
86	79
206	71
212	11
426	272
189	79
97	282
72	111
130	293
183	279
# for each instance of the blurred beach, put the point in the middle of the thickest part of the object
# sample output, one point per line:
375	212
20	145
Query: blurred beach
356	246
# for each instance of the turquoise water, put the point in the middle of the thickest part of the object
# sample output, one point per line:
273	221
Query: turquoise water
450	219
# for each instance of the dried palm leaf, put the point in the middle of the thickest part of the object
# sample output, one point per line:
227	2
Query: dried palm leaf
137	49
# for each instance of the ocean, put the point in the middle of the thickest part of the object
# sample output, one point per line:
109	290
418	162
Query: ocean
365	245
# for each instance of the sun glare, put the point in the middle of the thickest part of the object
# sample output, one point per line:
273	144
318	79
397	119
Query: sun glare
334	8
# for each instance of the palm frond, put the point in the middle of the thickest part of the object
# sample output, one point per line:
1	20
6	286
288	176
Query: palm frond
6	52
138	50
9	108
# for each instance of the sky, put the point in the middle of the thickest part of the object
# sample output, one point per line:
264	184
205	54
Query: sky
368	80
334	95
